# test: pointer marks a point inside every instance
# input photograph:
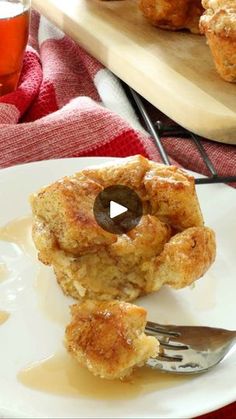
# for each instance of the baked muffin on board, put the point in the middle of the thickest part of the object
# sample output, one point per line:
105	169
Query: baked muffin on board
218	23
173	14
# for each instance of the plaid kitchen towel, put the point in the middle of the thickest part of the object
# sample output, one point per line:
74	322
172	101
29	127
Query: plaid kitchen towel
67	105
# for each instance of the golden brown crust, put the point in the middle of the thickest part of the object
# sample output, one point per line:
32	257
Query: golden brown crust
224	54
173	14
186	257
219	17
90	263
219	25
72	223
108	337
168	192
172	195
128	171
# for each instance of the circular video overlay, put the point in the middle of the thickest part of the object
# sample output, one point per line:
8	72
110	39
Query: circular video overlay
118	209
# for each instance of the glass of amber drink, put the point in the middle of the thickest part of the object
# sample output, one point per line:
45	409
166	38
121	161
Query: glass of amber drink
14	30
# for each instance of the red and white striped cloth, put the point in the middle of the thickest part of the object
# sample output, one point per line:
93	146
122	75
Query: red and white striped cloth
67	105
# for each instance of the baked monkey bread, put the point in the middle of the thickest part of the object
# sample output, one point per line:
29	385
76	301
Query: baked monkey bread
170	245
173	14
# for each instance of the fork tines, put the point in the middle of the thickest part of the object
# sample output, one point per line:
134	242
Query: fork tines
164	335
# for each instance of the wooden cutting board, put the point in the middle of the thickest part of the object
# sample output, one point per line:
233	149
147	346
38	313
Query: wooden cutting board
174	71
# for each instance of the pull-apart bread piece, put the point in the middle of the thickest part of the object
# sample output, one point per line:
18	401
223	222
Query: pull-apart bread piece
170	245
173	14
108	337
219	25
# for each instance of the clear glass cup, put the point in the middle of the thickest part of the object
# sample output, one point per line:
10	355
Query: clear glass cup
14	31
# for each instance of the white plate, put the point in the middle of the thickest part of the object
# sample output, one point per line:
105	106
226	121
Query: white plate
29	335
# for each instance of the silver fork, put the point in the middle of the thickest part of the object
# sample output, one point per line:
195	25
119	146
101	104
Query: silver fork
189	349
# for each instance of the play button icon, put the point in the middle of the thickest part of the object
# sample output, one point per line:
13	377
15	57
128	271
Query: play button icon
118	209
